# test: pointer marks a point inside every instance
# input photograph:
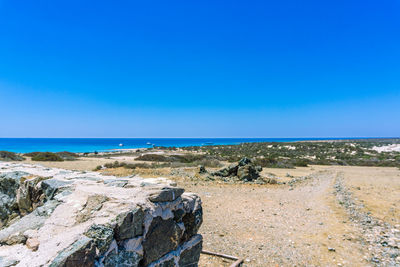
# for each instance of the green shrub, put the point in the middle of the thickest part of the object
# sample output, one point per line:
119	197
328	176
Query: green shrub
46	156
154	157
301	162
186	158
32	154
7	156
65	155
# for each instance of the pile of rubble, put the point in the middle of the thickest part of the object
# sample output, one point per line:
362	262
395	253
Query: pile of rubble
243	171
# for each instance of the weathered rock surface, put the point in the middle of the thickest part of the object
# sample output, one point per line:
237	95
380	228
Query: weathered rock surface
54	217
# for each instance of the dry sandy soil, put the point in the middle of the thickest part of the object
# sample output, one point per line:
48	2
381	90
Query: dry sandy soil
282	225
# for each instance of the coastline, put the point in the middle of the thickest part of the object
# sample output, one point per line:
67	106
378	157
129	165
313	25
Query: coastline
90	145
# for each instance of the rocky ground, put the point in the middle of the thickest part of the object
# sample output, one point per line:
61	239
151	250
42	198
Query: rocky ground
60	218
314	216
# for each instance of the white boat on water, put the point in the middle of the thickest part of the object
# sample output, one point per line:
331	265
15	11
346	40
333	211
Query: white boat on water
148	143
121	145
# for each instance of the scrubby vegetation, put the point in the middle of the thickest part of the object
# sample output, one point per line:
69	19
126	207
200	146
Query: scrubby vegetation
289	155
117	164
44	156
162	161
65	155
185	159
8	156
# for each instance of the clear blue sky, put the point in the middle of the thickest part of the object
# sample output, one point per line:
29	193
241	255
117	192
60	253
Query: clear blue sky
199	68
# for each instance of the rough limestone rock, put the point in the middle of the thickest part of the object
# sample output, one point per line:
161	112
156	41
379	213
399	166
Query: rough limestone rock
51	186
9	184
166	194
102	236
54	217
129	224
163	236
80	253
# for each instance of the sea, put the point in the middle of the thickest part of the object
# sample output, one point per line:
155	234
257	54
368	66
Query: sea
25	145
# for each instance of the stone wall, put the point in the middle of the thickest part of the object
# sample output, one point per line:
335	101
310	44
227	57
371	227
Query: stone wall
55	217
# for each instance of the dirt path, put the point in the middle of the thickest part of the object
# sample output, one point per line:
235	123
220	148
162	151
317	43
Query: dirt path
278	225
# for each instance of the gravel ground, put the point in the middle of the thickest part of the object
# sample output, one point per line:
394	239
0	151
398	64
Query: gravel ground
278	225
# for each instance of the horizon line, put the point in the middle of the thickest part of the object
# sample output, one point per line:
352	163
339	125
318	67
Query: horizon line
352	137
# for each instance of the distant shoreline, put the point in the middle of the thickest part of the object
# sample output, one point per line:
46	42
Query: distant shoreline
90	145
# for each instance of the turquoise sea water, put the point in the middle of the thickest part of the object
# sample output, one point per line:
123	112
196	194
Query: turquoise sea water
23	145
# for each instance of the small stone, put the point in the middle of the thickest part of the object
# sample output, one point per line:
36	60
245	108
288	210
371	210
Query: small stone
375	260
16	238
32	244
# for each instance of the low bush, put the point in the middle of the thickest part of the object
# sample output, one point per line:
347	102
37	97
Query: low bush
117	164
185	158
154	157
7	156
46	156
65	155
31	154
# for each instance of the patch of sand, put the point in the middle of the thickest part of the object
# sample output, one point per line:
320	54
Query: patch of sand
388	148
